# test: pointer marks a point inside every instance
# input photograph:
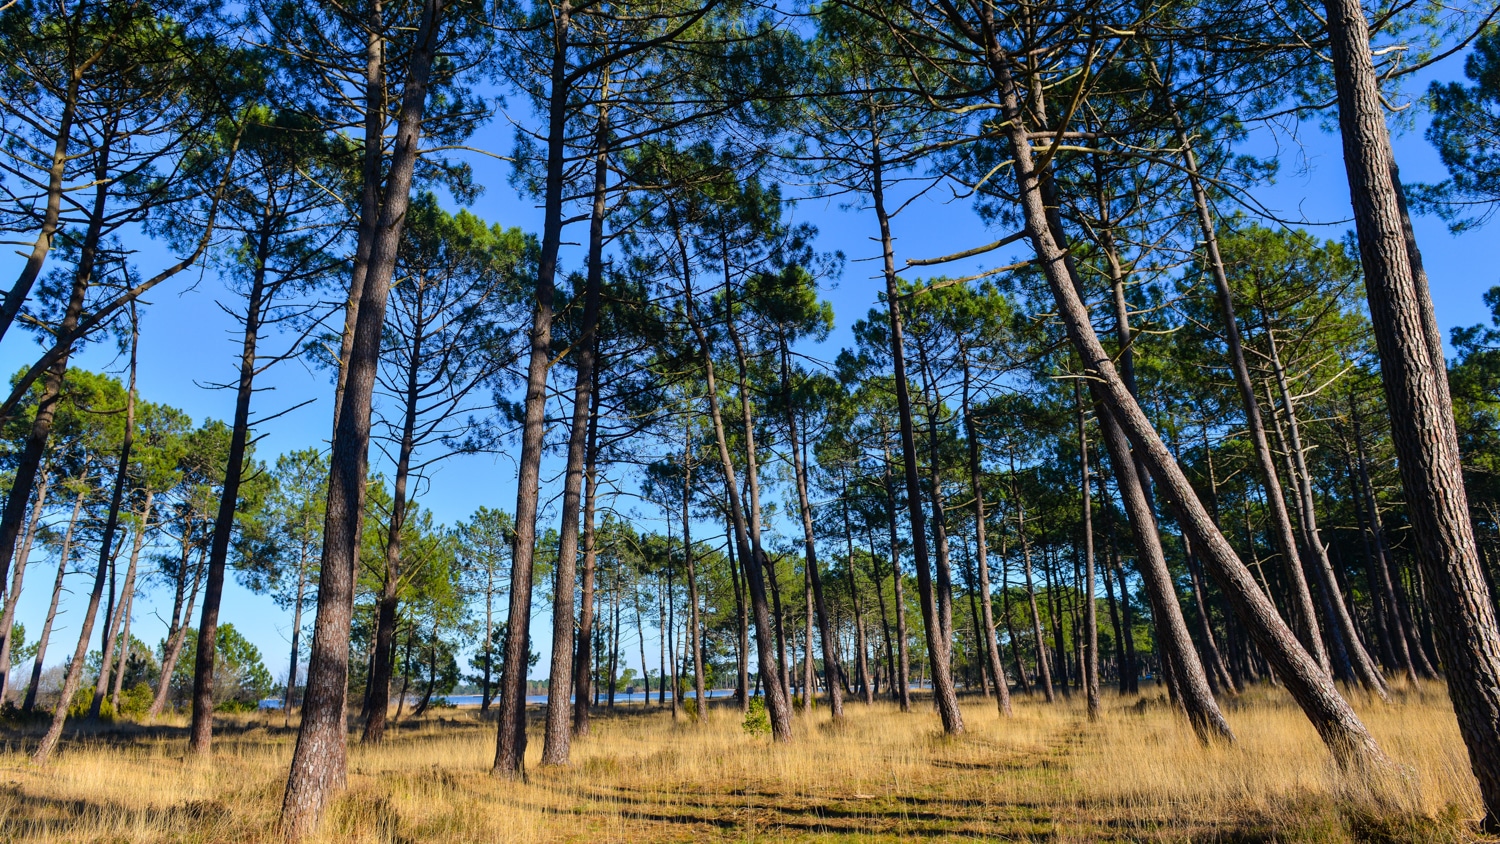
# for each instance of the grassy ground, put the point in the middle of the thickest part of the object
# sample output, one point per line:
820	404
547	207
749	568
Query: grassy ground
1045	775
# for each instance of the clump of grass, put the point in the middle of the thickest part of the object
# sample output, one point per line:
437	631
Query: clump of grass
1048	772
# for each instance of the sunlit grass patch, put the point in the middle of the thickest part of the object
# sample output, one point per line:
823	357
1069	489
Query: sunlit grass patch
1047	774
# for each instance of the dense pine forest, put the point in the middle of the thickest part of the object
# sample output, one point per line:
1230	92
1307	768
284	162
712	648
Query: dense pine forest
1124	505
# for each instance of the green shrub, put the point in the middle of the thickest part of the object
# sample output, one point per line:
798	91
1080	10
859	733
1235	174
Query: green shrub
136	701
12	714
236	705
690	705
83	701
757	722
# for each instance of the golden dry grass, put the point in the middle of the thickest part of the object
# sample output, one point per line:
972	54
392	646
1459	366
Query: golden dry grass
1046	775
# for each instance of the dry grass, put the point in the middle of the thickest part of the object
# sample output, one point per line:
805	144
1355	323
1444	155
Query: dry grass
1047	774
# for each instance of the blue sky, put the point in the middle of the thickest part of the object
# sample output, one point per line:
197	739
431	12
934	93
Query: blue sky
187	342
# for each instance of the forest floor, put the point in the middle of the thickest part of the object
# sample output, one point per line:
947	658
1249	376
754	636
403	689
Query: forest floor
1047	774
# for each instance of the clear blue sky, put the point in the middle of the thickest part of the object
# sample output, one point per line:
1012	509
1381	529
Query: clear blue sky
187	342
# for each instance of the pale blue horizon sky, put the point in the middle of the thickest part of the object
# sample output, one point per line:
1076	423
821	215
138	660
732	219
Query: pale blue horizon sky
187	342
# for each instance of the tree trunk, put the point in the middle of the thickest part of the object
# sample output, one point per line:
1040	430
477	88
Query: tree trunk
1335	721
291	676
885	619
370	193
557	740
1218	672
809	682
405	673
1187	681
742	643
1022	680
101	572
177	637
778	711
319	762
778	615
62	569
510	745
981	550
13	517
861	647
200	734
1054	612
124	657
614	635
671	636
937	649
431	680
1303	617
1398	626
640	634
1364	667
1114	621
941	557
1044	671
583	659
776	703
700	703
379	685
8	617
831	668
1131	673
109	675
903	676
1090	620
1421	409
52	211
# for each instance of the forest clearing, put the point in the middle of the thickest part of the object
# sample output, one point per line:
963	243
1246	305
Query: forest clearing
1057	420
1047	774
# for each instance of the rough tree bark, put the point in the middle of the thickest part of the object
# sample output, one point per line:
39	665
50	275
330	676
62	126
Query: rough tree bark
583	659
558	736
1416	387
510	743
319	762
